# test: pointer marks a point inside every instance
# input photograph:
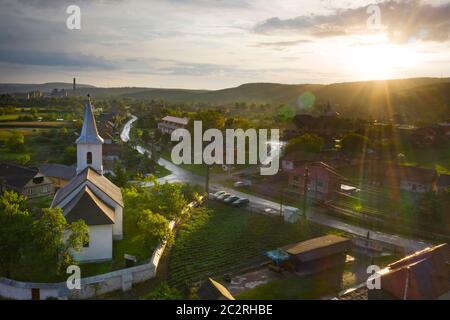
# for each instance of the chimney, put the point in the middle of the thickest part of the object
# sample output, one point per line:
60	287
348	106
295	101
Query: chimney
74	87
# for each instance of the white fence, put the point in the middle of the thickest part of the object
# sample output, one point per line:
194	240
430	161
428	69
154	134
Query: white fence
91	286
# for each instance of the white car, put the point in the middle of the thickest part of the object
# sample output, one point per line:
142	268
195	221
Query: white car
218	194
242	184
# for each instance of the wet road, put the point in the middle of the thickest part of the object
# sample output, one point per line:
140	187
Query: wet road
257	203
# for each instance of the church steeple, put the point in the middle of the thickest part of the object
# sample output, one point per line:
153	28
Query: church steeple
89	133
89	143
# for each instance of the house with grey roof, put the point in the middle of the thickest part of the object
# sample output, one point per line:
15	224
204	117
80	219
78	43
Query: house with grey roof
169	124
26	181
60	174
91	197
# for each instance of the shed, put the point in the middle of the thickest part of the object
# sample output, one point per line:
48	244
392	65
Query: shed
318	254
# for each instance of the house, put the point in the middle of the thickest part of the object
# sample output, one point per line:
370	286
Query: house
443	182
111	155
169	124
295	159
25	181
317	254
106	131
91	197
423	275
406	178
323	180
60	174
213	290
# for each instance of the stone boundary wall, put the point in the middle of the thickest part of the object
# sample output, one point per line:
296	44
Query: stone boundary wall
122	279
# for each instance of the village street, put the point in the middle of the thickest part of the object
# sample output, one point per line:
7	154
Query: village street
317	215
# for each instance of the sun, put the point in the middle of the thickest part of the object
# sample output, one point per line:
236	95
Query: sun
380	61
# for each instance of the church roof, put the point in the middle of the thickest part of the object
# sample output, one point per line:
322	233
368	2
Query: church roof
101	182
89	133
88	207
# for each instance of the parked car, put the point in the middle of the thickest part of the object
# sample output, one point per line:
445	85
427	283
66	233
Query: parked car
223	196
241	202
231	199
242	183
218	194
270	211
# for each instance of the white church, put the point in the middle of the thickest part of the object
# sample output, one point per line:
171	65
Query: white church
92	197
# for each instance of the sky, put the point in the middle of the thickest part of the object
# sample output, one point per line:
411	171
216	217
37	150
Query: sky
214	44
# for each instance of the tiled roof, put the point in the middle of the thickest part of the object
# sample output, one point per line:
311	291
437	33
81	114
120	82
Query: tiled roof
58	171
183	121
16	176
96	179
88	207
318	247
422	275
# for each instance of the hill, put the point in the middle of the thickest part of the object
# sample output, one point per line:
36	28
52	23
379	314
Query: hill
426	99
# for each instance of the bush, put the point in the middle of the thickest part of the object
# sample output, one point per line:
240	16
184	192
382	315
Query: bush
164	292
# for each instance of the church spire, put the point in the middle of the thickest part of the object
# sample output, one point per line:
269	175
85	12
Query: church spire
89	133
89	143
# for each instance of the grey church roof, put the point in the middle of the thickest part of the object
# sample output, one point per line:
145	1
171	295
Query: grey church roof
89	133
98	180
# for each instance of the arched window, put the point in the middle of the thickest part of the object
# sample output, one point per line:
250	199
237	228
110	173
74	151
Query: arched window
89	158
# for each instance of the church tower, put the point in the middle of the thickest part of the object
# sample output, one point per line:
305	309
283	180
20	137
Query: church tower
89	143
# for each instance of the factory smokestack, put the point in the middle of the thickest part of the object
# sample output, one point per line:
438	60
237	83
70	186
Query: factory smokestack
74	87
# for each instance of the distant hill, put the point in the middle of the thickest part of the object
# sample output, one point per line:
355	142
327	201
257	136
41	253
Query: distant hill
425	99
44	87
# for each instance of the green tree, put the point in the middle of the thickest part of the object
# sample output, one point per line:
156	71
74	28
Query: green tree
159	199
120	177
49	243
16	142
354	143
164	292
154	227
15	223
23	159
70	155
306	143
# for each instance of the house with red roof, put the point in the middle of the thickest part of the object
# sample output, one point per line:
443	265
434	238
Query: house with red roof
323	180
423	275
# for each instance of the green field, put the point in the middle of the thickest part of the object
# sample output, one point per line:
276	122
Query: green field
222	239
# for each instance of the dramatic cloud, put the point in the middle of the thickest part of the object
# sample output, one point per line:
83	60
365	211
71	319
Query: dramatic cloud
402	20
55	59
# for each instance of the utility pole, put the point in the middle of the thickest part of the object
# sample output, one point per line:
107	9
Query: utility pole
207	180
305	191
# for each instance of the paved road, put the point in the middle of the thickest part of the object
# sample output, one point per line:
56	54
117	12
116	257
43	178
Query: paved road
316	215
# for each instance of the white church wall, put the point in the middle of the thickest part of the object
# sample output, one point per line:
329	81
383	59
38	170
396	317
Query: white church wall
118	225
97	161
100	245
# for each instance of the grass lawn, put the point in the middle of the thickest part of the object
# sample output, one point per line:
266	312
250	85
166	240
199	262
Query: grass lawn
132	244
223	239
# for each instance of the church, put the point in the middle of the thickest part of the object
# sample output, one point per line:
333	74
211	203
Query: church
91	197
